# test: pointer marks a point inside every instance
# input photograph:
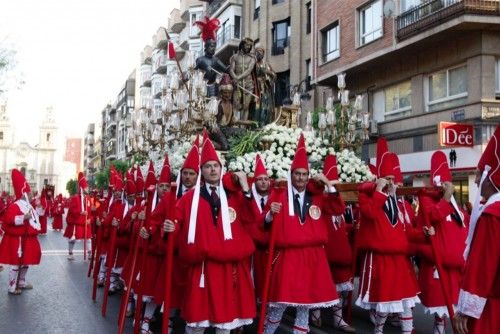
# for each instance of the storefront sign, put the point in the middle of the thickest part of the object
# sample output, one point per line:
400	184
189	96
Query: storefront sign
456	134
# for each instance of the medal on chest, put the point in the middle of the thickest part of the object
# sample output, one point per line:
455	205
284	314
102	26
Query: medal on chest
314	212
232	214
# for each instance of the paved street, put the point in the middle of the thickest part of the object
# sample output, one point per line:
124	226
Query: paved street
60	301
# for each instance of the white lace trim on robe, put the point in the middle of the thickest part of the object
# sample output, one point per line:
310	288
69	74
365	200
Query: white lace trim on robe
396	306
470	304
313	305
225	325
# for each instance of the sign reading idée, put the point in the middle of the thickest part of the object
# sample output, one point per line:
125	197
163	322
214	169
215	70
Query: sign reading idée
455	134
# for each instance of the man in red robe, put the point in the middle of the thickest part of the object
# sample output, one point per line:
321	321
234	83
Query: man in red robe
301	275
388	283
339	253
479	298
212	241
46	200
77	227
451	226
57	212
19	246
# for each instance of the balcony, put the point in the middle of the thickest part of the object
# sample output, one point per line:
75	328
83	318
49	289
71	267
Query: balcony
436	12
228	39
214	6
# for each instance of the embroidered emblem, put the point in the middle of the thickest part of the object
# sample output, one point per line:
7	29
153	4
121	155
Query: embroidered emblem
314	212
232	214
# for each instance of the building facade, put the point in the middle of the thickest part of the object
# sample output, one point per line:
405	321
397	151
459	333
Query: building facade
283	28
417	64
73	152
37	163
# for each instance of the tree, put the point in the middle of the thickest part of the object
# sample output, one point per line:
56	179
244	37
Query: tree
71	187
102	178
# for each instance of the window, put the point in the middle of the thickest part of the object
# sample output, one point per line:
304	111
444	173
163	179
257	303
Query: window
277	1
308	19
370	22
497	77
447	88
256	11
308	69
237	26
409	4
1	135
281	36
281	87
48	137
398	100
331	42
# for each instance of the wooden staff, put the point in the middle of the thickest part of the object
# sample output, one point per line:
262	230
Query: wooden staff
438	263
269	264
169	259
142	268
97	260
83	203
128	280
110	260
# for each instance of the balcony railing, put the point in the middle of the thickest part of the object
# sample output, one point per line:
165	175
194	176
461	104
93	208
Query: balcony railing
227	33
214	6
435	12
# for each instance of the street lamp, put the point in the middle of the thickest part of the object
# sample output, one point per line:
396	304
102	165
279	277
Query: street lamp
348	122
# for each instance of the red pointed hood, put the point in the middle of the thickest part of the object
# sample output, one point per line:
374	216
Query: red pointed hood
300	158
165	171
440	171
491	157
130	188
208	152
330	167
398	175
260	169
82	181
151	177
193	158
139	180
118	182
383	164
19	183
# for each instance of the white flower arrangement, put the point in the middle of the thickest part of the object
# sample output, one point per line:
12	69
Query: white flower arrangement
282	142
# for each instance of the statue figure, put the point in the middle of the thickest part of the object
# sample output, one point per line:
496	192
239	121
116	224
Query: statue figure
242	65
225	116
266	77
208	63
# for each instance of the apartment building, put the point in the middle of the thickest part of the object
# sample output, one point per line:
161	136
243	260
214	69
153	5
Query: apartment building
284	29
88	151
417	63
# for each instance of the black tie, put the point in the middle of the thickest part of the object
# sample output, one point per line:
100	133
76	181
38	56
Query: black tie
297	208
213	194
262	203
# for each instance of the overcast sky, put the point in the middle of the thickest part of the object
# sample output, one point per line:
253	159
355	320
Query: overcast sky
74	55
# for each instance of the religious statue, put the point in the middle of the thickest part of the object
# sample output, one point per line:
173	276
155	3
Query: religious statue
208	63
264	109
242	65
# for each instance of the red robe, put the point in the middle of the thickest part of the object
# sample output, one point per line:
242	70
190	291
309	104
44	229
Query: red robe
388	280
450	244
166	210
480	289
253	220
226	299
19	244
301	273
76	222
57	212
46	204
339	252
